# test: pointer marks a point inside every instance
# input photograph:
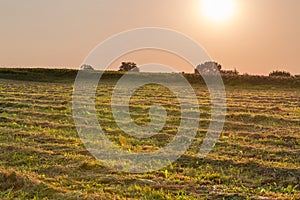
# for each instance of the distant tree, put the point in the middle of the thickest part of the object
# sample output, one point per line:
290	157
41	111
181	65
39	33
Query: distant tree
230	72
209	67
128	66
86	67
280	74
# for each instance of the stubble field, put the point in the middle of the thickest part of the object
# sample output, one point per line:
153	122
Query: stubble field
42	156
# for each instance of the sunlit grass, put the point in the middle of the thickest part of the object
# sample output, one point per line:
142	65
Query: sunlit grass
43	157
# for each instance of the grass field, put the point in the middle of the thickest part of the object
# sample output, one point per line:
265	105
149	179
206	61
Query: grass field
42	157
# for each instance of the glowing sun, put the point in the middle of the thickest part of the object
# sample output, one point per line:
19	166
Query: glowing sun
217	10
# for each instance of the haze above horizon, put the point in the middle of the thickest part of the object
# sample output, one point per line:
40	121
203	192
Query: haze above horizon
252	36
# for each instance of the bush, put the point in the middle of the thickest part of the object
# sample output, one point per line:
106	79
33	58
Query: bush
229	72
297	76
280	74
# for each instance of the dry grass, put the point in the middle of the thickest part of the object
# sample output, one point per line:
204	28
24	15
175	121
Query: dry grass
42	157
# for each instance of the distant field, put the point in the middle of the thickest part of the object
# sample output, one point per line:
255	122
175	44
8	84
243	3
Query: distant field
42	157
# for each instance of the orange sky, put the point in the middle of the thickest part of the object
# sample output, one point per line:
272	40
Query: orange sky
260	36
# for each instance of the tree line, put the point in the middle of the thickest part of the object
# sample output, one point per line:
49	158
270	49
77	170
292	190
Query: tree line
207	68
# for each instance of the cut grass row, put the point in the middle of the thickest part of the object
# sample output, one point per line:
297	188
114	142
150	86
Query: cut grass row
42	155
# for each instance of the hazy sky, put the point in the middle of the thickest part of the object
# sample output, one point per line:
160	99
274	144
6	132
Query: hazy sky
259	36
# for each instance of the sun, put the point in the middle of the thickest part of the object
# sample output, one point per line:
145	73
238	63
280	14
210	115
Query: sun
217	10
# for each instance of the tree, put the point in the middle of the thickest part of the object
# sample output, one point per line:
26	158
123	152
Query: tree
209	67
280	74
86	67
128	66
